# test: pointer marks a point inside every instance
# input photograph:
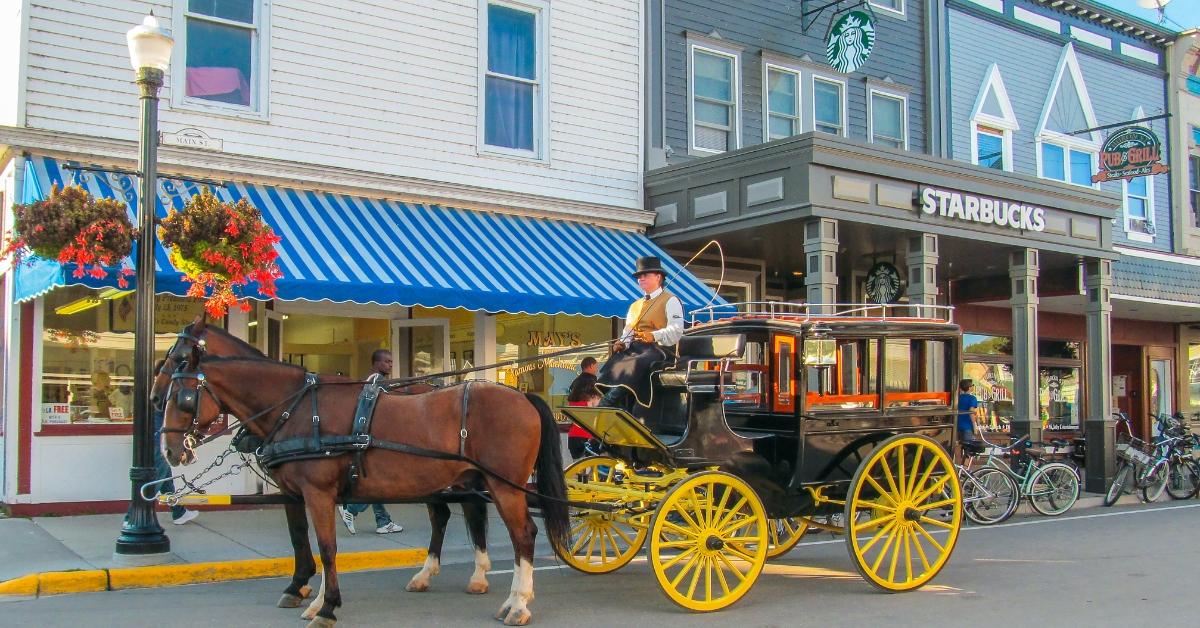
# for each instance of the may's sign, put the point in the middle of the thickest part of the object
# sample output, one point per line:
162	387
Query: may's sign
1129	153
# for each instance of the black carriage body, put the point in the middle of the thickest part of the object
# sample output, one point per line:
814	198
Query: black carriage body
784	426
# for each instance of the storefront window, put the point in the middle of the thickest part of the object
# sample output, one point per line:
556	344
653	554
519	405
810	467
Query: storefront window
529	335
988	362
1194	374
87	351
333	345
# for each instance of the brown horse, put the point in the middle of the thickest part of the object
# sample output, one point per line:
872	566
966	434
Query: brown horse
216	341
500	430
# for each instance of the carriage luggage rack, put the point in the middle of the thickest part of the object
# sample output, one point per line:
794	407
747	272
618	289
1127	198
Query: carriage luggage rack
822	311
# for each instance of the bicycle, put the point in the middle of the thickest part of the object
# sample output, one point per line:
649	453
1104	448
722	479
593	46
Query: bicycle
1151	465
1051	487
988	495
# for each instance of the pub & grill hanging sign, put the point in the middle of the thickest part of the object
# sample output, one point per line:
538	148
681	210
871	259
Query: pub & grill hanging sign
1128	153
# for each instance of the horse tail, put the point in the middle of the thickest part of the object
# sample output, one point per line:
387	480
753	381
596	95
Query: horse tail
550	481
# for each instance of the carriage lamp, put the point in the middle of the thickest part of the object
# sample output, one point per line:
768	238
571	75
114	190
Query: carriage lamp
142	540
819	348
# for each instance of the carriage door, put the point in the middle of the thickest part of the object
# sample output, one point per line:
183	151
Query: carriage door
783	374
420	346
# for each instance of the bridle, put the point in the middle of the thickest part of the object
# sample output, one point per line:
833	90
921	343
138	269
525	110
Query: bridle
187	400
180	353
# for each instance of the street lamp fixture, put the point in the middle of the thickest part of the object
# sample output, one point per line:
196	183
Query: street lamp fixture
142	539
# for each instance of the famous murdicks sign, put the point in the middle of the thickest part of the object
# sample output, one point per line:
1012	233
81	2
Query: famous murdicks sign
981	209
1130	152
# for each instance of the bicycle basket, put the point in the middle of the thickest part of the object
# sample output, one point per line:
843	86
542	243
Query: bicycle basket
1137	451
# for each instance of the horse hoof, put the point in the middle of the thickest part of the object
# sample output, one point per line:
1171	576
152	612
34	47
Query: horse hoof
287	600
477	588
305	591
309	613
518	617
322	622
415	586
502	614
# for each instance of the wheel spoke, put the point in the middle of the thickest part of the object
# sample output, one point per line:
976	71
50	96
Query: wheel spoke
582	539
685	514
737	572
734	527
731	513
937	486
884	552
700	564
733	548
676	544
887	474
936	523
678	557
916	540
916	466
933	465
683	571
721	574
874	522
896	553
874	506
938	504
681	531
925	533
882	491
619	532
900	473
878	535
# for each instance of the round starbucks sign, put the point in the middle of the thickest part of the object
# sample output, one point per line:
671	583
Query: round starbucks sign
851	40
883	283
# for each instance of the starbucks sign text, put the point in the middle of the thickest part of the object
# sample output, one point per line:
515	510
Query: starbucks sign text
981	209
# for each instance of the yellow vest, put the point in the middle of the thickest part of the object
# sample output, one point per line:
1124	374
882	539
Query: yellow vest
650	315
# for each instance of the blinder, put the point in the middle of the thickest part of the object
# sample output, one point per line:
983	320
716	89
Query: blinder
186	400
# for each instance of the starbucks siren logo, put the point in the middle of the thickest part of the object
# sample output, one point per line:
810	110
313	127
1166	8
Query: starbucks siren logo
850	41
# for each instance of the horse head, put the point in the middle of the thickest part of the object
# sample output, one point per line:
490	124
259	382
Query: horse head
197	336
191	407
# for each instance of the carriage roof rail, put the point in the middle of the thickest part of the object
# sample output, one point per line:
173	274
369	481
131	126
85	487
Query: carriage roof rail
804	312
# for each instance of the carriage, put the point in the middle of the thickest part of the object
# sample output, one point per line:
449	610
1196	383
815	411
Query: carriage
775	419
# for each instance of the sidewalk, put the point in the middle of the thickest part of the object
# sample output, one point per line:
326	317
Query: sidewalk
234	544
217	545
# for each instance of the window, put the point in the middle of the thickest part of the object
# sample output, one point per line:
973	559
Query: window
988	363
914	373
850	384
829	105
1067	164
896	6
714	101
889	124
1194	188
782	103
989	147
514	90
222	55
1139	218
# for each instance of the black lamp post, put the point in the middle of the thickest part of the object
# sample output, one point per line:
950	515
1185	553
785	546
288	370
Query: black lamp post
150	53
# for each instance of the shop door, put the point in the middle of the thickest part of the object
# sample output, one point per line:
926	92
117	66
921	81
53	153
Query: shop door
1159	389
1127	361
420	346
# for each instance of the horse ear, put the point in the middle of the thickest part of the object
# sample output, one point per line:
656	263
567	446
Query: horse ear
199	323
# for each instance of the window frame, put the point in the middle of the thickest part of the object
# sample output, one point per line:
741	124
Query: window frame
841	83
1130	232
897	12
260	64
1068	145
1006	125
798	119
1005	145
1194	188
735	87
542	85
872	92
1068	63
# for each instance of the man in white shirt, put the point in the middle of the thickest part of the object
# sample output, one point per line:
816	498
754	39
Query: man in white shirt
653	327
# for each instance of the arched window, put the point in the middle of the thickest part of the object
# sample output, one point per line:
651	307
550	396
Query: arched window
993	123
1063	153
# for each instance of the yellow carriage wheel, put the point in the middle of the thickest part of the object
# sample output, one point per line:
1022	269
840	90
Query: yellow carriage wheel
783	534
908	493
708	541
601	542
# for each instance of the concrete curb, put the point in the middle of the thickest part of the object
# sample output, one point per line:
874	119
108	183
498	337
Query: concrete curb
118	578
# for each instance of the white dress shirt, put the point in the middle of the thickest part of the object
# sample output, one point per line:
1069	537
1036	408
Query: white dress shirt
667	336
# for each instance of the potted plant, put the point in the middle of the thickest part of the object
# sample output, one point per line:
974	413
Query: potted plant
221	247
72	227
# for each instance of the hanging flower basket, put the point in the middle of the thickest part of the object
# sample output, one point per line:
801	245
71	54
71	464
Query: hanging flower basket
221	247
72	227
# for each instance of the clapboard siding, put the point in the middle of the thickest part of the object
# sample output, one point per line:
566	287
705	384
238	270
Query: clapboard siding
1028	66
774	26
384	87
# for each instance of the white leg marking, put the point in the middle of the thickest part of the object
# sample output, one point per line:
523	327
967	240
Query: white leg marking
515	610
479	583
317	601
420	581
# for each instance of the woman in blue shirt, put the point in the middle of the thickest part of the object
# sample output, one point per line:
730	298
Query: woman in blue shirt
967	404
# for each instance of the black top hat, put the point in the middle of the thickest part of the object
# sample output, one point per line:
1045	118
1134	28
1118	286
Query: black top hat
649	264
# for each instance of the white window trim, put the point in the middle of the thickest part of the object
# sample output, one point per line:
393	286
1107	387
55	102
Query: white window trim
993	82
1005	142
260	64
1068	144
1068	62
1137	236
813	90
541	114
871	93
766	105
735	86
889	10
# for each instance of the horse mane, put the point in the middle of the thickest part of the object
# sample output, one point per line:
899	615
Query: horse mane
252	359
224	333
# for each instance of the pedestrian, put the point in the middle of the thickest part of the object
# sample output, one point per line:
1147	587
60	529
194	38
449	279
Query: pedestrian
967	406
582	392
162	470
381	362
653	327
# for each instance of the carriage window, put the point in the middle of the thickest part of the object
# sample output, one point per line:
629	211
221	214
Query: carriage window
915	373
748	377
849	384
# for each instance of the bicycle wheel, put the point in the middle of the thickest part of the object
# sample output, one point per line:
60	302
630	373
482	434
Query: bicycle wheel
1124	471
1156	482
1183	481
989	496
1053	489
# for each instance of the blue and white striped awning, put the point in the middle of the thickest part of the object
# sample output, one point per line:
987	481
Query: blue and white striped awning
368	250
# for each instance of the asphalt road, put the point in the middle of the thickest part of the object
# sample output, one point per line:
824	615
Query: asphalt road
1103	567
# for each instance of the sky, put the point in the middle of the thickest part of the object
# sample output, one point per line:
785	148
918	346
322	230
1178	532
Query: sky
1181	14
